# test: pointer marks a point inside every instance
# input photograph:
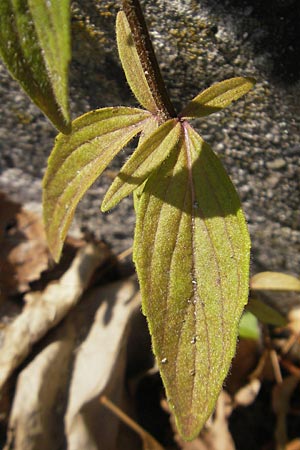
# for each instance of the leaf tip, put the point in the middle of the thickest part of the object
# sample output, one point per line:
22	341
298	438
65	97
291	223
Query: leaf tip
105	206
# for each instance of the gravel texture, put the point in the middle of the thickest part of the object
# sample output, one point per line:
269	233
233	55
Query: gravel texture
197	43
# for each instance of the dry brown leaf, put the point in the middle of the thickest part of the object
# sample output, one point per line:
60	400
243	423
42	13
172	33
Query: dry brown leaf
62	377
44	310
23	247
99	369
247	394
35	421
281	405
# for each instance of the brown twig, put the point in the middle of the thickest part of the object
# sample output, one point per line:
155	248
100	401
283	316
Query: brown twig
144	47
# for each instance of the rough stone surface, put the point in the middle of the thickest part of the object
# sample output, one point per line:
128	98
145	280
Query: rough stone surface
198	42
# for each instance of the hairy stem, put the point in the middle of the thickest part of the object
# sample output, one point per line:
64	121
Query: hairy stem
142	40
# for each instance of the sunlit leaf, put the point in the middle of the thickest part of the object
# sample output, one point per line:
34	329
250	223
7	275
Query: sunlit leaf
265	313
20	50
217	97
52	24
132	66
192	256
78	159
248	327
150	127
274	281
146	158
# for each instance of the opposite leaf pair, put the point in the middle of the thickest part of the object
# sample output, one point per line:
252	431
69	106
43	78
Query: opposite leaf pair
191	246
35	46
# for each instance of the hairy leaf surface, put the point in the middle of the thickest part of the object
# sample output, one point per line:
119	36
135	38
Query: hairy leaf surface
192	256
150	127
132	66
78	159
217	97
146	158
52	24
20	50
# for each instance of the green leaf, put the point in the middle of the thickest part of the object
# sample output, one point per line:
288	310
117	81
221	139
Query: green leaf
78	159
265	313
52	24
132	66
217	97
274	281
150	127
146	158
192	256
23	56
248	327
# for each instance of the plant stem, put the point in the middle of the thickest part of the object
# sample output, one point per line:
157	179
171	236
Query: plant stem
144	47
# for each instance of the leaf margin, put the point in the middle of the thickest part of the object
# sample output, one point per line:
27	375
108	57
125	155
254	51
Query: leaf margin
57	211
217	97
191	425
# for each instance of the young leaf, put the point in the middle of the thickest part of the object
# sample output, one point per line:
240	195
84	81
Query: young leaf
132	66
52	24
146	158
248	327
274	281
192	256
23	56
78	159
217	97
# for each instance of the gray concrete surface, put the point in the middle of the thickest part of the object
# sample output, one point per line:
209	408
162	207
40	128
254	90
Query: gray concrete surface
198	42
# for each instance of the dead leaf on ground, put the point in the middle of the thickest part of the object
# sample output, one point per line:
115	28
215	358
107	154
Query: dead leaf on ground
23	247
99	368
44	310
247	394
57	395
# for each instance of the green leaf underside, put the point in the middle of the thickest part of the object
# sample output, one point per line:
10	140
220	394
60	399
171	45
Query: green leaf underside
248	327
265	313
150	127
52	23
274	281
132	66
192	256
20	50
146	158
78	159
217	97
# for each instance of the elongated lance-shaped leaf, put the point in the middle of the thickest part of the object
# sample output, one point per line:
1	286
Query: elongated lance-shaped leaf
132	66
150	127
217	97
192	257
78	159
52	24
23	56
146	158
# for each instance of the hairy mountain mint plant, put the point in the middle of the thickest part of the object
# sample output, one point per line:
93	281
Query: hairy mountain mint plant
191	244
